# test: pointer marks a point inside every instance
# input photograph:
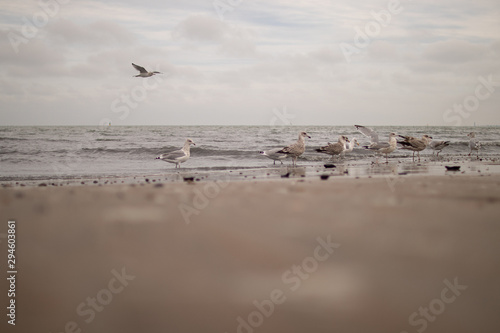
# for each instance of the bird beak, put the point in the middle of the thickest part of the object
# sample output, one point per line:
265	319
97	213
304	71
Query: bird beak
357	143
308	136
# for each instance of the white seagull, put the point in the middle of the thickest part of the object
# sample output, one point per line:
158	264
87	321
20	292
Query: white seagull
295	149
474	143
379	147
143	72
178	156
349	145
274	155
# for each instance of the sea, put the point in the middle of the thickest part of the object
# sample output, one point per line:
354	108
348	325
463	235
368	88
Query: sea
78	153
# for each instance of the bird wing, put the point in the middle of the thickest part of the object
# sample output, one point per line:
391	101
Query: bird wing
139	68
173	155
379	145
437	145
336	148
332	149
274	153
413	143
367	132
286	150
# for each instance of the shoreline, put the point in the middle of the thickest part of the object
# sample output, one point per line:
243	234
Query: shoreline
341	169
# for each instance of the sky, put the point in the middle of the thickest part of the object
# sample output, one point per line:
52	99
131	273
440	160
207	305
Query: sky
250	62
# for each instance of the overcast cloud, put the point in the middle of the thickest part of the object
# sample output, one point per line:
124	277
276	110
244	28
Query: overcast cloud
373	62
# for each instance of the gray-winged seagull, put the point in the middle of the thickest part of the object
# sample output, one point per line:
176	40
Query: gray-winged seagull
274	155
178	156
438	146
143	72
379	147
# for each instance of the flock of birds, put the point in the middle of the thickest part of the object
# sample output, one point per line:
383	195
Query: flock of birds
342	146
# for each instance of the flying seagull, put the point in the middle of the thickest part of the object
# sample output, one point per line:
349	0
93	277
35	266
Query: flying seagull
178	156
143	72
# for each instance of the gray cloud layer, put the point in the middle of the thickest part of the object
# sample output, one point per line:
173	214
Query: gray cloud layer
343	62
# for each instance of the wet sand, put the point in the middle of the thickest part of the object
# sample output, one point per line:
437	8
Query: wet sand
383	254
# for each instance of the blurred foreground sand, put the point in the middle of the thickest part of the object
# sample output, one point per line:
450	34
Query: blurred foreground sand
253	257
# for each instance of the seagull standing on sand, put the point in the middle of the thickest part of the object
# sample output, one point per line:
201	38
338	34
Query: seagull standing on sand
295	149
379	147
336	148
178	156
143	72
474	143
274	155
414	144
438	145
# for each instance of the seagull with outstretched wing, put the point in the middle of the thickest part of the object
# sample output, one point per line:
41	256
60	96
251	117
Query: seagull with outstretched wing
143	72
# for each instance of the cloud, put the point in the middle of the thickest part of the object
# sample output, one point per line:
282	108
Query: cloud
264	54
202	28
95	33
206	29
453	51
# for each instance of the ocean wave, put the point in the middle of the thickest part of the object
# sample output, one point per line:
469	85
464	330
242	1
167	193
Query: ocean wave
3	138
198	151
108	139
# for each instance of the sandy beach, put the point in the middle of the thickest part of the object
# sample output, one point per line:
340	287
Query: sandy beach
382	254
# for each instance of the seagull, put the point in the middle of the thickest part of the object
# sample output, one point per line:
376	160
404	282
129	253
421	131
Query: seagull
379	147
349	145
295	149
438	145
274	155
178	156
414	144
143	72
336	148
474	143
